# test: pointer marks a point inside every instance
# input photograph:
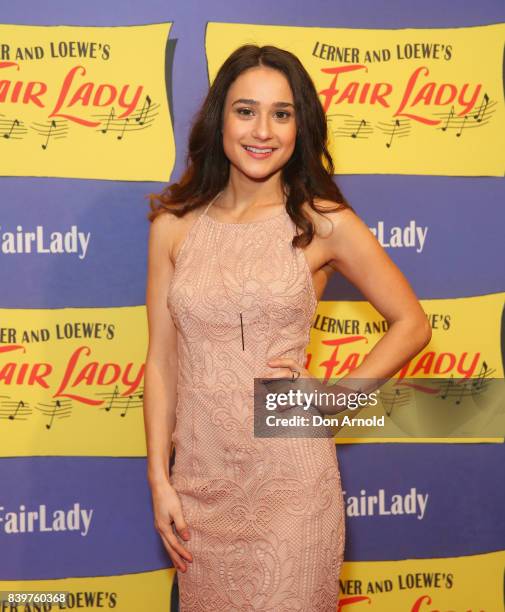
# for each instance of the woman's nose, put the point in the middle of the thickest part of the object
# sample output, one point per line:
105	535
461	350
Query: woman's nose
262	128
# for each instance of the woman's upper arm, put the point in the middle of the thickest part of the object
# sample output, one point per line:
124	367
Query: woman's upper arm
162	331
357	254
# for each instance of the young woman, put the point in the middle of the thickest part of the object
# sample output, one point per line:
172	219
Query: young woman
240	251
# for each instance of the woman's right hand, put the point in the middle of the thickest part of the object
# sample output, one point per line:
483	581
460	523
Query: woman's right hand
167	510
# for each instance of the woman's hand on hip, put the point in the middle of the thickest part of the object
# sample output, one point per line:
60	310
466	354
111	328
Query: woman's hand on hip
289	376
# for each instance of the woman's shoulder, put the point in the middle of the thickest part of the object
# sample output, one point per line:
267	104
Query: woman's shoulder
171	229
329	215
168	217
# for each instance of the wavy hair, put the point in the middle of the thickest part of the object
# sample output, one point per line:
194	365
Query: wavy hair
307	175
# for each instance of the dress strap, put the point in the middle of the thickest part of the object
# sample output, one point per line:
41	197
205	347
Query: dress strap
210	203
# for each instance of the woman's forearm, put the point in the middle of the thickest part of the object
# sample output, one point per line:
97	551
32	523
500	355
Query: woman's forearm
160	399
403	340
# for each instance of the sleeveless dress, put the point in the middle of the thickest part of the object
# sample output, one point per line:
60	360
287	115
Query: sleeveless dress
265	515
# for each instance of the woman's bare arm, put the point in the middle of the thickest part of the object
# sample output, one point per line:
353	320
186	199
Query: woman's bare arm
160	388
356	253
349	247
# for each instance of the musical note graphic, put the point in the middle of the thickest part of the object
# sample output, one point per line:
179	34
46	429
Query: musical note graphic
114	395
455	389
111	116
399	128
138	120
482	380
13	416
12	129
451	114
120	136
452	121
462	125
355	134
129	397
461	391
482	109
14	123
13	410
123	403
59	409
349	127
53	130
147	104
53	125
449	384
397	399
396	125
127	406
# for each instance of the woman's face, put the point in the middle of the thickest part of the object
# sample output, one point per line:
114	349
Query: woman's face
259	124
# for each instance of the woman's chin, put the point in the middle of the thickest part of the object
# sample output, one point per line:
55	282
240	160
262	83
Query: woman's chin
255	173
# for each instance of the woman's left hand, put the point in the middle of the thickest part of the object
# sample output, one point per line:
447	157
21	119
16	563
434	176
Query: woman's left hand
287	379
290	366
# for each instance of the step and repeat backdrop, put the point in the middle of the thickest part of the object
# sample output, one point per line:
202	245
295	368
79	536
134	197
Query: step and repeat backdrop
95	108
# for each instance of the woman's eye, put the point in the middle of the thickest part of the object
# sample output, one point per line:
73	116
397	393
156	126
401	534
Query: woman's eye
248	112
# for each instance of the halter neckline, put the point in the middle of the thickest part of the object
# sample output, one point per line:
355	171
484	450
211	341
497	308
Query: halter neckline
271	218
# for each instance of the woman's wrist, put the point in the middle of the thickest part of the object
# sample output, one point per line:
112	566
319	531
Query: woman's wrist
158	478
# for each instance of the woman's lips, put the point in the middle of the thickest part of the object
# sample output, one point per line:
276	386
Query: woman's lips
258	155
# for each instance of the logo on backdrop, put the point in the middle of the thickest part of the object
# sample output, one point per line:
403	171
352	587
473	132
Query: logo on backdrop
79	102
71	381
43	519
411	236
382	503
40	240
404	101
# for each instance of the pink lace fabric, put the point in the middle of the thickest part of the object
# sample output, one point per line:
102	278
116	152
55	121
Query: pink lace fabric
266	515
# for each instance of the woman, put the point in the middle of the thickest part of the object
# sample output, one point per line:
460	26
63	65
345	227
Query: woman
240	262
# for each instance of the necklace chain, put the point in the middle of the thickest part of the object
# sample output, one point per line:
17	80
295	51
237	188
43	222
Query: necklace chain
225	286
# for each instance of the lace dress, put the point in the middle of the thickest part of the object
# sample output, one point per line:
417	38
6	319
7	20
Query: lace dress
265	515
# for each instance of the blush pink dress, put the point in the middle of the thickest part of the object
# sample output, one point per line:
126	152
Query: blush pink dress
265	515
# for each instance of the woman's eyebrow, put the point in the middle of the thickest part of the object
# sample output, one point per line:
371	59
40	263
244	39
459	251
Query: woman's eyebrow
252	102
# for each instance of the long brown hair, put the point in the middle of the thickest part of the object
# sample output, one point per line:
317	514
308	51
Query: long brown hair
307	174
